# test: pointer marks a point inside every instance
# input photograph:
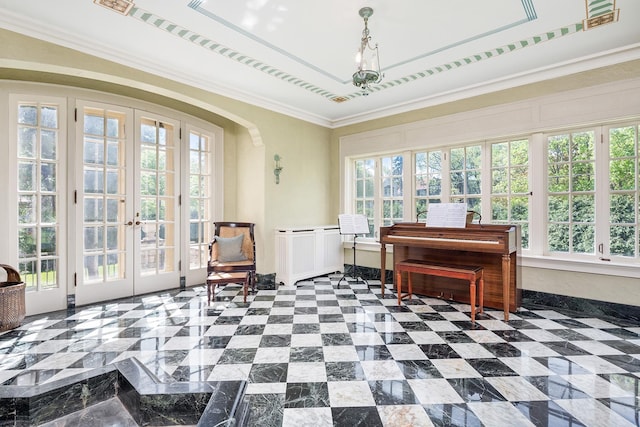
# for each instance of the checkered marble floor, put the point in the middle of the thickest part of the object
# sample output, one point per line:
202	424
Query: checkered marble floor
323	354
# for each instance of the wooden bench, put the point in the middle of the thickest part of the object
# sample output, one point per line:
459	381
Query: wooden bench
465	272
221	278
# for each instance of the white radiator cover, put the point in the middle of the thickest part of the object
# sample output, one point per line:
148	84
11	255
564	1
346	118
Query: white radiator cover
305	252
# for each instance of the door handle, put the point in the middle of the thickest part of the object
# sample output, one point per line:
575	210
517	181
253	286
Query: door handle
138	223
128	223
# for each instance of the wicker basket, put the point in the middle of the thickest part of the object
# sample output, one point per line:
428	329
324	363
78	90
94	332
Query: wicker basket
12	308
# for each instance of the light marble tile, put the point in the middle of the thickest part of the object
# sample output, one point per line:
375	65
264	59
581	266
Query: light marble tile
244	341
202	356
499	414
597	348
541	335
406	352
441	325
306	372
593	413
278	329
596	364
534	349
221	330
434	391
350	393
272	355
471	351
516	388
425	337
366	338
597	387
307	417
376	370
484	336
404	416
455	368
237	372
597	334
255	320
306	340
340	353
526	366
334	328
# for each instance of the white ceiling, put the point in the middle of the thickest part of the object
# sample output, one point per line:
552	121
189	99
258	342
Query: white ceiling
297	56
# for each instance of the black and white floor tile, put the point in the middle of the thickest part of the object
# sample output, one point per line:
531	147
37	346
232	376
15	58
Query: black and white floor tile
323	354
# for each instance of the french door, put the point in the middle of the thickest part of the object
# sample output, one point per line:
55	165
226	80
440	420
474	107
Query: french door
127	210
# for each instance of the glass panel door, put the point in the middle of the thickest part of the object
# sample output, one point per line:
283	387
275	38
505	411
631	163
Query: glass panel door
105	205
38	157
156	218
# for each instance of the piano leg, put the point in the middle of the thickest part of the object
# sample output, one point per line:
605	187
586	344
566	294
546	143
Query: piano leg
506	280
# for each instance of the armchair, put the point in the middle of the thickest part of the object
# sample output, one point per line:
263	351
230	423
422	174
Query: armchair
233	250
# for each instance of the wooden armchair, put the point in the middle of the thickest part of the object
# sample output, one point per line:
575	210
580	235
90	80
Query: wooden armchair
230	253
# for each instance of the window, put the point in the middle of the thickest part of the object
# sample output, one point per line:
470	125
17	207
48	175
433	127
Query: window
392	189
510	185
427	181
39	193
364	180
200	220
623	194
571	197
465	175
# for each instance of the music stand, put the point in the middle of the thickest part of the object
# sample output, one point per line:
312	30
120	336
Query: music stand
353	225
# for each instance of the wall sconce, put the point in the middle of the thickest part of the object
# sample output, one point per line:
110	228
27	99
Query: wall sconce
278	168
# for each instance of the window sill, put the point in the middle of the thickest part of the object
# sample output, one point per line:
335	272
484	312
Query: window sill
532	261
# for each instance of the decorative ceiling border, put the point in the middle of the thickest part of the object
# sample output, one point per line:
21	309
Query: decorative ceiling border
602	11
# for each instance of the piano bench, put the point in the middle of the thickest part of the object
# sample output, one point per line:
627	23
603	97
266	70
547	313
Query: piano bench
470	273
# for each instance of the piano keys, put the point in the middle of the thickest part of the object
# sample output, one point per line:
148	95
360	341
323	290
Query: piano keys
494	247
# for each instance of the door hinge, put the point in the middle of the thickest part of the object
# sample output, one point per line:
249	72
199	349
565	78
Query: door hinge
75	280
75	114
75	197
180	200
180	265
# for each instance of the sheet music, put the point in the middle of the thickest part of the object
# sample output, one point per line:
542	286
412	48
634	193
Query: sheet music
447	215
353	224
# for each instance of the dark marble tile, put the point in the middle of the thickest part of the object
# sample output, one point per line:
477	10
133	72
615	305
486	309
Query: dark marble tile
502	349
366	416
275	341
95	360
344	371
306	395
491	367
305	310
452	415
149	343
370	302
475	390
565	348
268	373
351	309
439	351
414	326
250	330
512	336
215	342
569	335
455	337
306	328
327	303
237	355
280	319
547	413
398	309
336	339
430	316
265	410
392	392
192	331
306	354
192	373
521	324
373	352
556	387
396	338
623	333
264	298
331	318
381	317
418	369
228	320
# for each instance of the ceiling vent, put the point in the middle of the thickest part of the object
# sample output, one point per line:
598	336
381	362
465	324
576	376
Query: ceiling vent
121	6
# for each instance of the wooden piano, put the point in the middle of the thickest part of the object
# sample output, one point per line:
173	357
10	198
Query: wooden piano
494	247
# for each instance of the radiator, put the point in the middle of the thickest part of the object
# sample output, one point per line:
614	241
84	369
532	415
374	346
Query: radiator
305	252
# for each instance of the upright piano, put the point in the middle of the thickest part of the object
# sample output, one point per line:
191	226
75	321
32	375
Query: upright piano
494	247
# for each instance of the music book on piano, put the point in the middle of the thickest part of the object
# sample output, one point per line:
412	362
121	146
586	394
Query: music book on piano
353	224
447	215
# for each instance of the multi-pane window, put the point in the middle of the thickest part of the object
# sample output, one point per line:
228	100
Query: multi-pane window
624	192
199	199
39	194
427	181
510	185
392	189
465	174
571	197
365	190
